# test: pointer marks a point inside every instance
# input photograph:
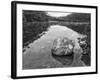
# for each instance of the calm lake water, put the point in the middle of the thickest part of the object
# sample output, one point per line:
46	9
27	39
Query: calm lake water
38	55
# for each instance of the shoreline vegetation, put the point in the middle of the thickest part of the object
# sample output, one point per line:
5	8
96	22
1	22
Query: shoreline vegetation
32	30
35	22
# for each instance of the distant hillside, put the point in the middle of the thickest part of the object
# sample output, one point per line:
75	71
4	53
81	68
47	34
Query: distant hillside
77	17
31	16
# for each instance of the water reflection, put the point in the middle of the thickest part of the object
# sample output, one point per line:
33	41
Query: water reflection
56	31
39	54
64	60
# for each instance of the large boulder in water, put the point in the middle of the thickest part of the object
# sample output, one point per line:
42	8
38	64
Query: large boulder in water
62	46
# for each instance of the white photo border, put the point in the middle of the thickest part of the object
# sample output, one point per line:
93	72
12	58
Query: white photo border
17	67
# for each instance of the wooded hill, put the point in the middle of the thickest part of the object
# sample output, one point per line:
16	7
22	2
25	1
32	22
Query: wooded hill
31	16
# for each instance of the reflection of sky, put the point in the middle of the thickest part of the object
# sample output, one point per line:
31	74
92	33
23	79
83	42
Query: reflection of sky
54	32
56	14
39	54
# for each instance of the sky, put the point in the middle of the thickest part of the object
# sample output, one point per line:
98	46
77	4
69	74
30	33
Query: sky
57	14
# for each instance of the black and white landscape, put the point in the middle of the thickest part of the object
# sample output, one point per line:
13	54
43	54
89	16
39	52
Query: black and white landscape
42	28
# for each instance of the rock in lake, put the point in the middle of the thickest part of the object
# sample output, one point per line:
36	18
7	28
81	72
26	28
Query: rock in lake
62	46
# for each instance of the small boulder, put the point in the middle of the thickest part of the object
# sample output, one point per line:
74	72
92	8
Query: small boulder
62	46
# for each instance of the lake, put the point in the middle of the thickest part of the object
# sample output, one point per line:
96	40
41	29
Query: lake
38	54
